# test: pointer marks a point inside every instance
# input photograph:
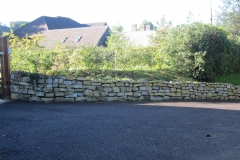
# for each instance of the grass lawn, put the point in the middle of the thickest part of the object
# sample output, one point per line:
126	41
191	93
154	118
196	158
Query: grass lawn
233	78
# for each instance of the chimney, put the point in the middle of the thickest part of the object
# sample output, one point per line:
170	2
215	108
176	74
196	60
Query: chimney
134	27
148	27
142	27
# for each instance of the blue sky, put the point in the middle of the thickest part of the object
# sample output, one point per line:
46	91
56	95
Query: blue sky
124	12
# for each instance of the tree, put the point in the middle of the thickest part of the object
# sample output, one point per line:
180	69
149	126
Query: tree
4	28
229	17
14	25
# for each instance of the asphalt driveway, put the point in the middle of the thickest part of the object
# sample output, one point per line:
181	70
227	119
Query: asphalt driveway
164	130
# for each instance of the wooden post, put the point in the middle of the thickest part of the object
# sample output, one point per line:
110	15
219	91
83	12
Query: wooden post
2	64
7	76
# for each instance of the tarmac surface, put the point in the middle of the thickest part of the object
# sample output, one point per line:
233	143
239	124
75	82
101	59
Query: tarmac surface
207	130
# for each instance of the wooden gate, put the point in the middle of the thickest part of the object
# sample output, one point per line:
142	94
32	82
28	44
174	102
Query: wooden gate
4	68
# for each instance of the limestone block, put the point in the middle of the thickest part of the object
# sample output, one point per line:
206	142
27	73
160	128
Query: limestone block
63	89
192	96
47	100
111	94
59	94
77	86
60	81
137	85
100	88
166	97
232	97
120	84
116	89
49	81
185	91
107	89
123	89
102	99
14	96
170	94
159	94
67	82
149	88
24	83
129	89
90	99
135	89
80	99
69	99
103	94
74	95
30	91
47	90
173	89
121	94
137	94
162	85
49	95
153	98
122	99
155	88
86	82
88	92
90	87
127	85
112	84
179	90
62	86
109	99
55	81
80	82
96	84
56	90
40	94
230	93
34	98
59	99
41	81
128	93
96	93
142	88
106	85
145	93
14	88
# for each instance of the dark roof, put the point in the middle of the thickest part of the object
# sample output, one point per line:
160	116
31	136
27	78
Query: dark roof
45	23
89	36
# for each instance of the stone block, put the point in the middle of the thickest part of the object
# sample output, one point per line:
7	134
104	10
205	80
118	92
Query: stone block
123	89
103	94
30	91
128	93
185	91
142	88
120	94
159	94
166	97
40	94
59	99
109	99
59	94
173	89
86	82
90	99
55	81
80	99
47	90
74	95
14	88
88	92
14	96
129	89
41	81
63	89
111	94
96	93
145	93
67	82
102	99
153	98
24	83
49	95
69	99
34	98
60	81
161	85
107	89
49	81
46	100
116	89
137	94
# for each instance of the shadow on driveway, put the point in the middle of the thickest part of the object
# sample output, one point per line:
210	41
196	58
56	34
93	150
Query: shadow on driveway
164	130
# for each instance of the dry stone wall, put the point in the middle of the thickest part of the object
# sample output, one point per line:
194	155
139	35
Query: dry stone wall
30	87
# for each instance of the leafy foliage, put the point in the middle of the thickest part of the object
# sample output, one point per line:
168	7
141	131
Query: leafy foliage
14	25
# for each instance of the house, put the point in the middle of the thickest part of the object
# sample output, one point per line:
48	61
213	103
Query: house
65	31
142	37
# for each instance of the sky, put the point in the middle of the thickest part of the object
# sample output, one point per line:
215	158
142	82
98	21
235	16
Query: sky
124	12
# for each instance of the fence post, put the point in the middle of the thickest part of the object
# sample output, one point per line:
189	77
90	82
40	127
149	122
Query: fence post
7	75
